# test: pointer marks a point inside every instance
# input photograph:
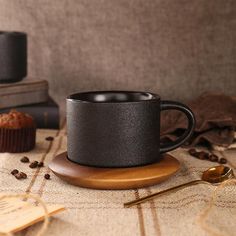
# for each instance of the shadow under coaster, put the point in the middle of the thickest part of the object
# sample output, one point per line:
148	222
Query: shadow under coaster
114	178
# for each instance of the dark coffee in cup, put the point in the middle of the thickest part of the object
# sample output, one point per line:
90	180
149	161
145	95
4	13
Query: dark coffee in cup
119	128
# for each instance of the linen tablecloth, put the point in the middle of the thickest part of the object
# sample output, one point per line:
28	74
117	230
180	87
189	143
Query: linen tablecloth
96	212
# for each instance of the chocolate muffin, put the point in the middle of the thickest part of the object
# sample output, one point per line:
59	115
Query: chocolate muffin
17	132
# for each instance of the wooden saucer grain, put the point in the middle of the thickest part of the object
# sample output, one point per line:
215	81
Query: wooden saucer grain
114	178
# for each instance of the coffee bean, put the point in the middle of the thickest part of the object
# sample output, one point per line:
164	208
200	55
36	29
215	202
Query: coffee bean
192	151
33	164
18	176
202	155
23	175
49	138
40	164
14	172
47	176
213	158
222	161
24	159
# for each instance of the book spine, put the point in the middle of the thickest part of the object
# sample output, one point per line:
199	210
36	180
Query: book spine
45	117
19	99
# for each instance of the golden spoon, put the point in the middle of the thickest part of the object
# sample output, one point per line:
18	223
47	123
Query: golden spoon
213	175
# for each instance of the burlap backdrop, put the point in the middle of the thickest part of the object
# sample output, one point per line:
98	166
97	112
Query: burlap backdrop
176	48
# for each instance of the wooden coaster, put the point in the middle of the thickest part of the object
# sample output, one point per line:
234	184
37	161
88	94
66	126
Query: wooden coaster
114	178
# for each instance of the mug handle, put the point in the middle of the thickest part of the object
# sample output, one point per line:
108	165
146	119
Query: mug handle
167	105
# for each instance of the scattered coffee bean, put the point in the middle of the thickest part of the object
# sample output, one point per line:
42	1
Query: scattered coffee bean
40	164
24	159
14	172
202	155
222	161
18	176
49	138
47	176
206	156
192	151
213	158
23	175
33	164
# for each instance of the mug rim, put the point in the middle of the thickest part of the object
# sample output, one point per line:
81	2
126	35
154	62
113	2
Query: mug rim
153	97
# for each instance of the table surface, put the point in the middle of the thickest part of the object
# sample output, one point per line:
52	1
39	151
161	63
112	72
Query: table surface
96	212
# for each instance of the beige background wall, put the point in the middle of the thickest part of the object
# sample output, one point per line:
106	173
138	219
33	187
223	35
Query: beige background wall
178	48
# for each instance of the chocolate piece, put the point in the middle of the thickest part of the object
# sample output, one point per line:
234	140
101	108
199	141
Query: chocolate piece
47	176
213	158
33	164
23	175
24	159
49	138
222	161
14	172
40	164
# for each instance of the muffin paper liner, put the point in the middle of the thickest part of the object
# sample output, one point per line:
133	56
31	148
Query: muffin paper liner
17	140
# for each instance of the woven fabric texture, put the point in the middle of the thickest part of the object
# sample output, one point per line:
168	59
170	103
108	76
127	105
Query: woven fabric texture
178	49
96	212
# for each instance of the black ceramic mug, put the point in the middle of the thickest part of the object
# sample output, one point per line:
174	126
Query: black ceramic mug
13	56
119	128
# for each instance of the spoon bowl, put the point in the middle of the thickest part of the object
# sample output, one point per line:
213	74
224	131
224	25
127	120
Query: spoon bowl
217	174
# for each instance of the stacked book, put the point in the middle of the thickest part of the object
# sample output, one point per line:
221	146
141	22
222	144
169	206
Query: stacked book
31	96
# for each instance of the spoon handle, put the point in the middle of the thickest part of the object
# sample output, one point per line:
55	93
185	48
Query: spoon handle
154	195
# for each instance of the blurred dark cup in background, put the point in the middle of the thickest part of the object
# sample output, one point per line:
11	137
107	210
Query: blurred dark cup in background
13	56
